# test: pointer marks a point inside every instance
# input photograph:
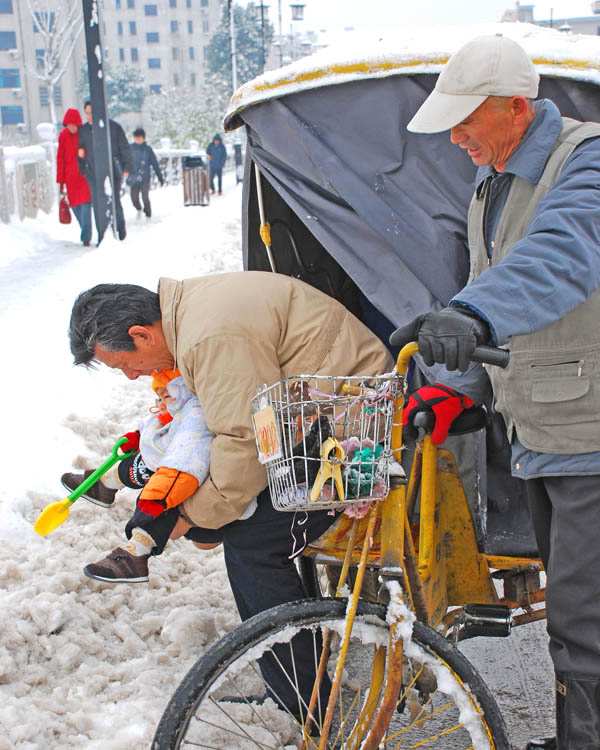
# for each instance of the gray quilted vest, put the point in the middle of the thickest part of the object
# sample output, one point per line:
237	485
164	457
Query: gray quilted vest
550	391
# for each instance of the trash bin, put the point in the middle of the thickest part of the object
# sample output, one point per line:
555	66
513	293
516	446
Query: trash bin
195	181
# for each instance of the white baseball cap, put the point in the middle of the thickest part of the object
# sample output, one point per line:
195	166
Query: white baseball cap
485	66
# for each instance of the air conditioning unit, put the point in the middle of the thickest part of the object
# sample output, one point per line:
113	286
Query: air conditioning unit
13	52
18	93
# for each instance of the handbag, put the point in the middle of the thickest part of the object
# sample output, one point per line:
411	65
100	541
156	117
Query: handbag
64	213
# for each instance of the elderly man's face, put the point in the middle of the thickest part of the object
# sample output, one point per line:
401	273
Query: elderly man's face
145	358
488	134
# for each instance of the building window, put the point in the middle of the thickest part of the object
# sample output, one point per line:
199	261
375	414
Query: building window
175	53
8	40
44	96
11	115
155	88
40	58
132	28
118	4
188	3
120	28
10	78
172	3
6	7
131	3
150	10
174	27
175	79
190	27
58	100
205	27
134	54
44	20
204	3
191	53
193	79
205	53
121	54
152	37
154	62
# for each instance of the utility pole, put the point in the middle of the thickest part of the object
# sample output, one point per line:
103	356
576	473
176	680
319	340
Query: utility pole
233	53
280	38
237	146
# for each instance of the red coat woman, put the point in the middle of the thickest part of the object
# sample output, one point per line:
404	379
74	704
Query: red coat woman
68	175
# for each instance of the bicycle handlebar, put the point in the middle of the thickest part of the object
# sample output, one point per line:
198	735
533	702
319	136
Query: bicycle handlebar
491	355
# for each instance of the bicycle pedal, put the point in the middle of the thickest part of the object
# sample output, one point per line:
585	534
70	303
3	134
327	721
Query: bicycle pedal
489	620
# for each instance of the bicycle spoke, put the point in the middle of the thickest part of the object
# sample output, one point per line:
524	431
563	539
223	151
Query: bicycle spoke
425	716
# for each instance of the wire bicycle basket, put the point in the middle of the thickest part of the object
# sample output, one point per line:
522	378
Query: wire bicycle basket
326	440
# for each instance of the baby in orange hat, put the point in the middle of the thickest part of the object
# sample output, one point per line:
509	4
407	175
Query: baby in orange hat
171	461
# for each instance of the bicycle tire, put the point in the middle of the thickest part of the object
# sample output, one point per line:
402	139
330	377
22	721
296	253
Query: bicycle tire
428	656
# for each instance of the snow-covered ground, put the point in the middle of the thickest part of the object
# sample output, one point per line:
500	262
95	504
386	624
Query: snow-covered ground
89	665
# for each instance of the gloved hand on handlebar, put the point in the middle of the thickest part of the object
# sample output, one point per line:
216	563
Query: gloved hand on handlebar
448	336
445	403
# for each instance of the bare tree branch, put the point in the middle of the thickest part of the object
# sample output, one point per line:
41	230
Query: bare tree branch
59	29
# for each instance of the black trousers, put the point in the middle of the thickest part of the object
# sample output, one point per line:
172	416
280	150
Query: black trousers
144	190
566	519
262	575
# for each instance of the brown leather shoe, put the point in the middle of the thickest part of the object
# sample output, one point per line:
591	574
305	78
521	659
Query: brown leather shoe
97	493
119	567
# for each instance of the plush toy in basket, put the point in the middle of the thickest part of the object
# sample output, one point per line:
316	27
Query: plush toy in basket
328	470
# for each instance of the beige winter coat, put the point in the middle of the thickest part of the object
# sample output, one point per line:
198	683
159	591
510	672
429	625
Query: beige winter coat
230	333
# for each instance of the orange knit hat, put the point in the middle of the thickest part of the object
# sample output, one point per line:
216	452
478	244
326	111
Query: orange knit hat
162	377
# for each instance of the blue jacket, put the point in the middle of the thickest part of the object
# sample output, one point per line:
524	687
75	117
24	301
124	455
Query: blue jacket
217	153
552	270
143	158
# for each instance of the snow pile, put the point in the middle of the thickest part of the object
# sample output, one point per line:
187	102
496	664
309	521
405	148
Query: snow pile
85	664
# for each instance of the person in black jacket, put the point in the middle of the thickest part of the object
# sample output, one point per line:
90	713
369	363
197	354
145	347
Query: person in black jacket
217	157
122	165
139	179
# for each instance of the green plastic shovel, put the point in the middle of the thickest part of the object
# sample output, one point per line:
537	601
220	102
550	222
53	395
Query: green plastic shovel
56	513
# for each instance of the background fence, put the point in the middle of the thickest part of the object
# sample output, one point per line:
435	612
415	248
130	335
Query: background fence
28	175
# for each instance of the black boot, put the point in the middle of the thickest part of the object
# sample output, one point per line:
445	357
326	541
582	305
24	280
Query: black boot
577	711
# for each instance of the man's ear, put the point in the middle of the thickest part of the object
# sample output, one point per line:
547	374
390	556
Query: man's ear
519	106
141	335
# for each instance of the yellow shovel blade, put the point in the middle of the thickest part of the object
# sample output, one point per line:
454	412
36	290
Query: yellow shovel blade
52	516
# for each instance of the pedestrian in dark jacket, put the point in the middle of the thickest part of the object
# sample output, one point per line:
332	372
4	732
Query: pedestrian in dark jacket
70	178
139	179
122	165
217	156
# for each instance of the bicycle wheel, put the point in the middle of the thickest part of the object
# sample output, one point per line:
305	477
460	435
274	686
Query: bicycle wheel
222	703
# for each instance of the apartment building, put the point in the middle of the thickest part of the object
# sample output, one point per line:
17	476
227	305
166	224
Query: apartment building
166	39
24	100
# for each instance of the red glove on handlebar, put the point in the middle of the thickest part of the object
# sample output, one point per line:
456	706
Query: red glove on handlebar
445	403
133	441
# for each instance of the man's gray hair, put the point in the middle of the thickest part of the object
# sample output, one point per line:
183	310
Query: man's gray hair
104	314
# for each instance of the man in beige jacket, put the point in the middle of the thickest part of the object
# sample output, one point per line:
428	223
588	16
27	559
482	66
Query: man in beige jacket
228	334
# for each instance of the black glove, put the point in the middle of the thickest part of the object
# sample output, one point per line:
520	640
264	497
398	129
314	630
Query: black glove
448	336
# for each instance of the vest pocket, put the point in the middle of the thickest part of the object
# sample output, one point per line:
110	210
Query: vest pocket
559	394
550	390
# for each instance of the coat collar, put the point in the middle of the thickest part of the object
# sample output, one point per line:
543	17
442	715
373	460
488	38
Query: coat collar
529	159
